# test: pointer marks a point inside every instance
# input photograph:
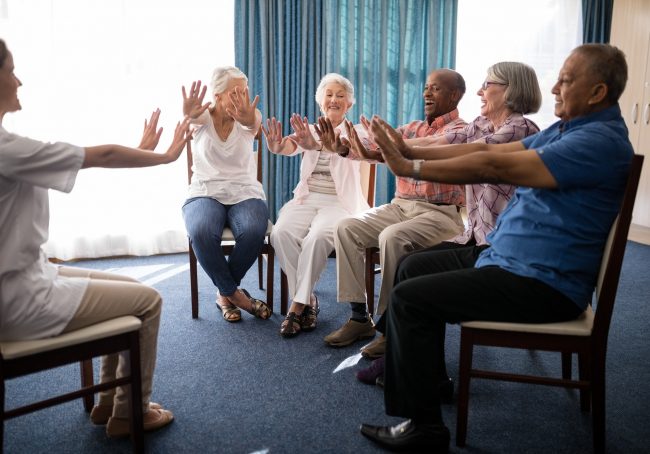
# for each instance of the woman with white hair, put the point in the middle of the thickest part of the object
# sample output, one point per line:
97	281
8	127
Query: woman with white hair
329	190
224	191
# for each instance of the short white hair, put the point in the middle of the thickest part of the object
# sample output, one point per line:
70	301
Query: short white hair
222	75
334	78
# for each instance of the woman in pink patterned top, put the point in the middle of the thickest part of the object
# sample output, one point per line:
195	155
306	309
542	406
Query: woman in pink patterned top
509	91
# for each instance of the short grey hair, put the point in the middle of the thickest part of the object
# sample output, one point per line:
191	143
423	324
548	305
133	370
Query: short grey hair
334	78
608	64
523	94
222	75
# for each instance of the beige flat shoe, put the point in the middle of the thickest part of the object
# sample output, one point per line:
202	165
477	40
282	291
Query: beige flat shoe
153	420
101	413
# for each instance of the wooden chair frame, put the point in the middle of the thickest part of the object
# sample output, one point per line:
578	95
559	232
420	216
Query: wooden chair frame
82	352
590	348
227	245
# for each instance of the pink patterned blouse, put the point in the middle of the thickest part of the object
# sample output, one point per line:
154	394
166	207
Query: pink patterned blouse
486	201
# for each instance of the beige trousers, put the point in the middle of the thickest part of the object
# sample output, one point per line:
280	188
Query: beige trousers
396	229
110	296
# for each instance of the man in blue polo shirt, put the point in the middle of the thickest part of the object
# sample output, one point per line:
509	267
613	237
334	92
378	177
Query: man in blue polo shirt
545	251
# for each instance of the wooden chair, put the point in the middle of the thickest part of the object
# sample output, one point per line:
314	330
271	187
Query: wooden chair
228	242
585	336
368	172
19	358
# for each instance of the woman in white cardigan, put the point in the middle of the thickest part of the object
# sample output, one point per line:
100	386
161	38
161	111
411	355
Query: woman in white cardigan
329	190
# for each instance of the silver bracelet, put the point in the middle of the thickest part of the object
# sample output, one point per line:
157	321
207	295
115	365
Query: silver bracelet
417	167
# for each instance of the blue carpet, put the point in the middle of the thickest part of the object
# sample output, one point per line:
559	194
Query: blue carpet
241	388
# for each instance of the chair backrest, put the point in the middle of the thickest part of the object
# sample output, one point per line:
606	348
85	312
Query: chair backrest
368	171
612	260
257	155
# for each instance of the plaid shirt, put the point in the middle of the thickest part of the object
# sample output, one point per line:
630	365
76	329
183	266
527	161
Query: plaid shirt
429	191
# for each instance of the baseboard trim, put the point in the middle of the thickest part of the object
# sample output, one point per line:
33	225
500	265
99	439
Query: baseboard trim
639	233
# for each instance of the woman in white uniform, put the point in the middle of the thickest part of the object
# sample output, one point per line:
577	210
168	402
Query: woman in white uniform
38	299
329	190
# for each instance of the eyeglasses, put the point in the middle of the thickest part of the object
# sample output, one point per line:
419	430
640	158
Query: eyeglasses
486	84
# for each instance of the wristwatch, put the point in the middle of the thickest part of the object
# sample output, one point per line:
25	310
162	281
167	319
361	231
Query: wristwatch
417	166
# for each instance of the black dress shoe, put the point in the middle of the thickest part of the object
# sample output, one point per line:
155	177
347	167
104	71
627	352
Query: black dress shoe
409	436
445	388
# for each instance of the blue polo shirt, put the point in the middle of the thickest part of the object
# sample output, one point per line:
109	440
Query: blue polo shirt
558	235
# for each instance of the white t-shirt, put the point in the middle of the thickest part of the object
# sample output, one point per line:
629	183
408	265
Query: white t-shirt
225	170
35	302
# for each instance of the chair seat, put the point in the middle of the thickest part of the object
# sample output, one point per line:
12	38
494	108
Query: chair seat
17	349
227	235
581	326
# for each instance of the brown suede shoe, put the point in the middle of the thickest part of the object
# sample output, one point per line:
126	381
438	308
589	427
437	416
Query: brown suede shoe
101	413
351	332
375	349
153	420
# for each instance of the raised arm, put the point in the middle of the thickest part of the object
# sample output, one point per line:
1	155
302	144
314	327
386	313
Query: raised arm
274	140
118	156
302	135
466	163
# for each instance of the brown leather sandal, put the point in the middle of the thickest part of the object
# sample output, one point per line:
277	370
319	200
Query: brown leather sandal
309	316
291	325
230	313
258	307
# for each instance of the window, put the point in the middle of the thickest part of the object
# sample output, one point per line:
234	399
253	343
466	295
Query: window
91	73
540	34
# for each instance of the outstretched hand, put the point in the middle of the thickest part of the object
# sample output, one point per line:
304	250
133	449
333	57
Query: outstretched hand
150	134
243	110
182	136
392	147
357	147
329	137
193	104
273	134
302	136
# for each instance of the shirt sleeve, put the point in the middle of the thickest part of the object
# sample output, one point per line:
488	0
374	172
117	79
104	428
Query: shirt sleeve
46	165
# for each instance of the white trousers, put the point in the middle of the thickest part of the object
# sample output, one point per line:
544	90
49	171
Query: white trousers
303	237
397	228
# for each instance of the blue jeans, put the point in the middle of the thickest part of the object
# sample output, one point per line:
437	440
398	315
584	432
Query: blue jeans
205	219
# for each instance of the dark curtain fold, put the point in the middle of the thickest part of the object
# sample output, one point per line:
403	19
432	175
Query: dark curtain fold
596	20
385	47
278	45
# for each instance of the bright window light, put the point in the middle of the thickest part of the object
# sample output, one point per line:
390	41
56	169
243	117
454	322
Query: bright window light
540	34
92	71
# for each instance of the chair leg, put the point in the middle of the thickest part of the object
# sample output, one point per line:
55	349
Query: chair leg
598	405
284	293
584	373
270	270
137	423
566	365
194	285
87	380
370	281
260	274
464	369
2	408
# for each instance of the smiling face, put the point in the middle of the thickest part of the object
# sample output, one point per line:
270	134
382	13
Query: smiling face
9	84
577	92
440	95
336	102
493	101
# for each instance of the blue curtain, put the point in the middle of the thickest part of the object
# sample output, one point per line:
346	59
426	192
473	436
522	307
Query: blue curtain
596	20
385	47
278	45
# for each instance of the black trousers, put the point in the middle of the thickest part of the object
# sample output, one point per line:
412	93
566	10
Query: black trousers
452	291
